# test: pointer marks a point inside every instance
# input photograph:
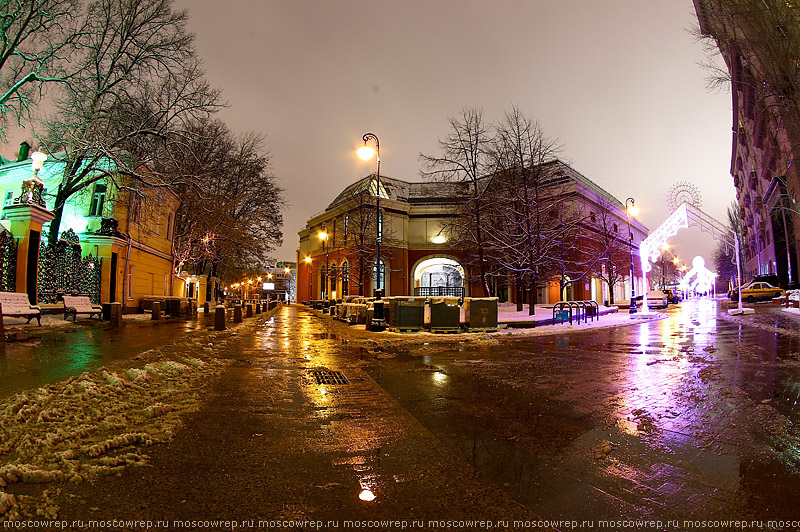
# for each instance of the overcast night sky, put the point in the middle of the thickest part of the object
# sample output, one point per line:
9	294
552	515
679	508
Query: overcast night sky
618	82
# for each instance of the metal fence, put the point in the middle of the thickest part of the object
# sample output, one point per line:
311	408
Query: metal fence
62	270
439	291
8	262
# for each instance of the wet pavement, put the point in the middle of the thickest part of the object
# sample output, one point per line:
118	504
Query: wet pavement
691	418
53	354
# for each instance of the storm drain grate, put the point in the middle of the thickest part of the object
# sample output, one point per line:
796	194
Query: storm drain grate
330	377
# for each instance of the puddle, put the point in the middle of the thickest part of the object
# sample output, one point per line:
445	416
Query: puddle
56	355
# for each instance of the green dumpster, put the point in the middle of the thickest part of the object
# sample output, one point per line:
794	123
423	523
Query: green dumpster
445	314
407	313
480	313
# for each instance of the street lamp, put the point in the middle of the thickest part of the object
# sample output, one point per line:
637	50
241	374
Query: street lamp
323	235
633	210
365	153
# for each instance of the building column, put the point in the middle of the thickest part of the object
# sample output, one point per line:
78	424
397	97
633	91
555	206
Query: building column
26	227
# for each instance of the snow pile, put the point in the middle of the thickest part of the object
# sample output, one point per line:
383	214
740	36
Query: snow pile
91	424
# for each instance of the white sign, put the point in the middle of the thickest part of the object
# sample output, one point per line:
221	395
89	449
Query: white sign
269	286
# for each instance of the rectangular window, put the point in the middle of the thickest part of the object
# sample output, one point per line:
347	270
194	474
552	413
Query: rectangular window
9	198
169	226
166	284
98	200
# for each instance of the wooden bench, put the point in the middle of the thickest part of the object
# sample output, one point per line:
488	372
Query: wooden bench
17	304
74	305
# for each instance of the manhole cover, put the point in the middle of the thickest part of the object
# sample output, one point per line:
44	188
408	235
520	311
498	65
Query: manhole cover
330	377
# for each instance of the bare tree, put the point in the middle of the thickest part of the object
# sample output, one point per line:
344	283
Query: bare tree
767	32
138	84
35	38
231	210
724	254
523	230
465	159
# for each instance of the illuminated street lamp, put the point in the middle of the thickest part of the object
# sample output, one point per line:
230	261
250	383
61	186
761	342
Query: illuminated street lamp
633	210
365	153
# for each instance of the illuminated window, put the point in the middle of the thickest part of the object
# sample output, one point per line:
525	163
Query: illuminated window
382	280
345	278
98	200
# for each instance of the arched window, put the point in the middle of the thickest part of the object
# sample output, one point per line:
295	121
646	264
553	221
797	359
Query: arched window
334	280
345	278
379	281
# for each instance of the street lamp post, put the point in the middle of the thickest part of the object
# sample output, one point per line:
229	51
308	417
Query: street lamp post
633	210
366	153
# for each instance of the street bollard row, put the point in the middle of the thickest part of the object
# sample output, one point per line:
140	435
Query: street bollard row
239	312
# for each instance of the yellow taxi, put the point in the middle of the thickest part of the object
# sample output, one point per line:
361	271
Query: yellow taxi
758	290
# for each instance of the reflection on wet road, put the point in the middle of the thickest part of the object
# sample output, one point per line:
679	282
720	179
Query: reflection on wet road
63	353
692	415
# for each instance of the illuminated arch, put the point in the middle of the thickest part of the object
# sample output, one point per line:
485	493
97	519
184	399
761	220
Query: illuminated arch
440	271
686	215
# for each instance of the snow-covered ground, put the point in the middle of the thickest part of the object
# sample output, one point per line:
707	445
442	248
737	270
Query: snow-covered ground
104	419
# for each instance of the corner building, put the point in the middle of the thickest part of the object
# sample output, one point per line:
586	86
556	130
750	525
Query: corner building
335	256
759	40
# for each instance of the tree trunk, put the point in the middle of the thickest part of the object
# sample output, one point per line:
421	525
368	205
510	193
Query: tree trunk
532	299
487	291
520	293
55	224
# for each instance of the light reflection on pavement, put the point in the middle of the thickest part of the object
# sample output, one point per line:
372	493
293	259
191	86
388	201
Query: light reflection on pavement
699	415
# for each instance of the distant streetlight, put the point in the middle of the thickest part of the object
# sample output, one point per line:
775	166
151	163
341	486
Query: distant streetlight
633	210
365	153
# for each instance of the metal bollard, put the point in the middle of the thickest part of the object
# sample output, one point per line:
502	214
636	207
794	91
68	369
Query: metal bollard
219	318
237	314
115	314
258	308
249	312
156	310
205	308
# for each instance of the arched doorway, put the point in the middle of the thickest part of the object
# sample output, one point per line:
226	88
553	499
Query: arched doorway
442	274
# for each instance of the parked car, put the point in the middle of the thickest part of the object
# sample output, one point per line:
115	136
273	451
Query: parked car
657	299
674	295
756	291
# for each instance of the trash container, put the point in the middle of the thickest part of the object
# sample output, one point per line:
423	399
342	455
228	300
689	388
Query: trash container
445	314
480	313
407	313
